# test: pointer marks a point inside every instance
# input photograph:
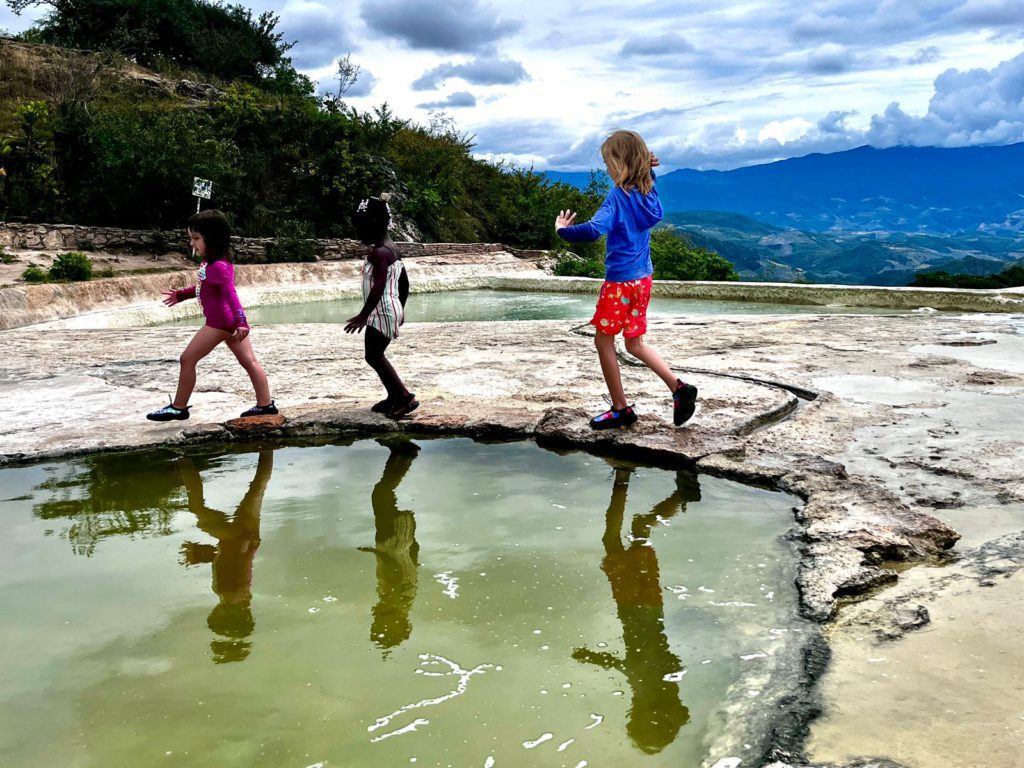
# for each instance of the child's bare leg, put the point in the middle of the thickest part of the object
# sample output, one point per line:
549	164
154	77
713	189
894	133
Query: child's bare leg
610	368
246	357
376	344
202	344
649	357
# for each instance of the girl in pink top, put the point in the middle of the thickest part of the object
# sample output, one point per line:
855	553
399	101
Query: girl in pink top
210	236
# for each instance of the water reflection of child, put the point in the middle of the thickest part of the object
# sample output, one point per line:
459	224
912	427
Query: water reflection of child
656	714
396	549
238	538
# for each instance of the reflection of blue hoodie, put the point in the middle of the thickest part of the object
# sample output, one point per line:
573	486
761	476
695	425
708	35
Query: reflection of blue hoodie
626	218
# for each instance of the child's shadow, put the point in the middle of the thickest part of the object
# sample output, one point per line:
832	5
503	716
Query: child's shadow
238	538
656	713
396	549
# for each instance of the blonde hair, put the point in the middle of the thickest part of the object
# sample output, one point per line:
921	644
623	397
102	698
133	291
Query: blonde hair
629	161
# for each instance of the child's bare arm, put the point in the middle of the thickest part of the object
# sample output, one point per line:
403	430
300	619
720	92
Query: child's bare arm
379	261
177	295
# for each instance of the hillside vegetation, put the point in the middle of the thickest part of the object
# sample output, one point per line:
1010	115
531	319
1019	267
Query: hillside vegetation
109	108
1011	277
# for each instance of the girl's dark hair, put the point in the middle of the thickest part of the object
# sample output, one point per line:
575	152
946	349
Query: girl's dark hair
372	219
216	231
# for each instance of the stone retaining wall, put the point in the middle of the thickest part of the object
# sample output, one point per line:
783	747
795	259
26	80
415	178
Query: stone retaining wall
73	237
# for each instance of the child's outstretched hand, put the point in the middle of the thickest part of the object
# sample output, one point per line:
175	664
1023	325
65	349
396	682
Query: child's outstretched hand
170	298
564	219
355	324
655	162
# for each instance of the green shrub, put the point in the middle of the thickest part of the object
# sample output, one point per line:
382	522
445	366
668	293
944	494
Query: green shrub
34	274
568	264
105	272
676	258
6	258
293	243
1011	277
74	266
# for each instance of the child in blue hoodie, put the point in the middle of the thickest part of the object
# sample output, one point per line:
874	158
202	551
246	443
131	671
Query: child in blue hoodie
626	216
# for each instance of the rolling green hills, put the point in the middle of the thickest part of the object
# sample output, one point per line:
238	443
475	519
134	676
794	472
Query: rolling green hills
766	252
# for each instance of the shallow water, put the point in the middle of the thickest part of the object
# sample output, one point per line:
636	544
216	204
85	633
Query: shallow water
467	306
946	696
434	603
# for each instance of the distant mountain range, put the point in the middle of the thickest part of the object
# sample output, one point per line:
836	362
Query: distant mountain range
761	251
872	216
902	189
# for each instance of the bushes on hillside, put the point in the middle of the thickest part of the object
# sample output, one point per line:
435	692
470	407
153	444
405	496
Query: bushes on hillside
34	274
570	264
224	41
1011	277
129	164
72	266
67	267
676	258
275	152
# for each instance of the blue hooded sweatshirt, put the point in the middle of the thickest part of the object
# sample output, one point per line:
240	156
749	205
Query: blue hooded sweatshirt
626	218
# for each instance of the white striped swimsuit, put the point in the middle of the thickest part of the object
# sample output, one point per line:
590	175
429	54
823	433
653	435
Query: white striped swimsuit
389	313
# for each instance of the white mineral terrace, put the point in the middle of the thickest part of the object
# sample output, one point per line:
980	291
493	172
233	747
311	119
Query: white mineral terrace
898	431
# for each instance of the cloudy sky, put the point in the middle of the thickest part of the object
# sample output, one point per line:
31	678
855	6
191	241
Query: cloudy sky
717	84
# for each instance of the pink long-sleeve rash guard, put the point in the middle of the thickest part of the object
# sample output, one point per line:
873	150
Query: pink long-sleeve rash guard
216	292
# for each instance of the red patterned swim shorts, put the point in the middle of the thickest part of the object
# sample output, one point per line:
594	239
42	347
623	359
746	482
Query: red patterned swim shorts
623	307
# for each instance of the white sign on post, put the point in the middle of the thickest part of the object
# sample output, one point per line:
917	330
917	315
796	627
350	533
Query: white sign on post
202	188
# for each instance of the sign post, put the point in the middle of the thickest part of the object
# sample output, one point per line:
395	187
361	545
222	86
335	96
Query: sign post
202	189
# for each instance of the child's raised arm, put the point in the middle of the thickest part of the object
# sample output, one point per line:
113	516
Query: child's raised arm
588	231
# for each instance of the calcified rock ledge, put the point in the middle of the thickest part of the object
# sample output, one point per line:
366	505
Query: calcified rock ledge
132	301
874	421
850	527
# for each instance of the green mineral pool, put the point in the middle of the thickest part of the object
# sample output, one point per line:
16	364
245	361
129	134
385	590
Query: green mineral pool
474	305
385	603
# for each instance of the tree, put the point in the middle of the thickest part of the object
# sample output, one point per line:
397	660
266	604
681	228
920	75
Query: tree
1011	277
224	41
29	165
676	258
348	74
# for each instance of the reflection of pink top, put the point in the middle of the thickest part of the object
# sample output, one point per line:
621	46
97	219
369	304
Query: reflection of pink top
215	290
